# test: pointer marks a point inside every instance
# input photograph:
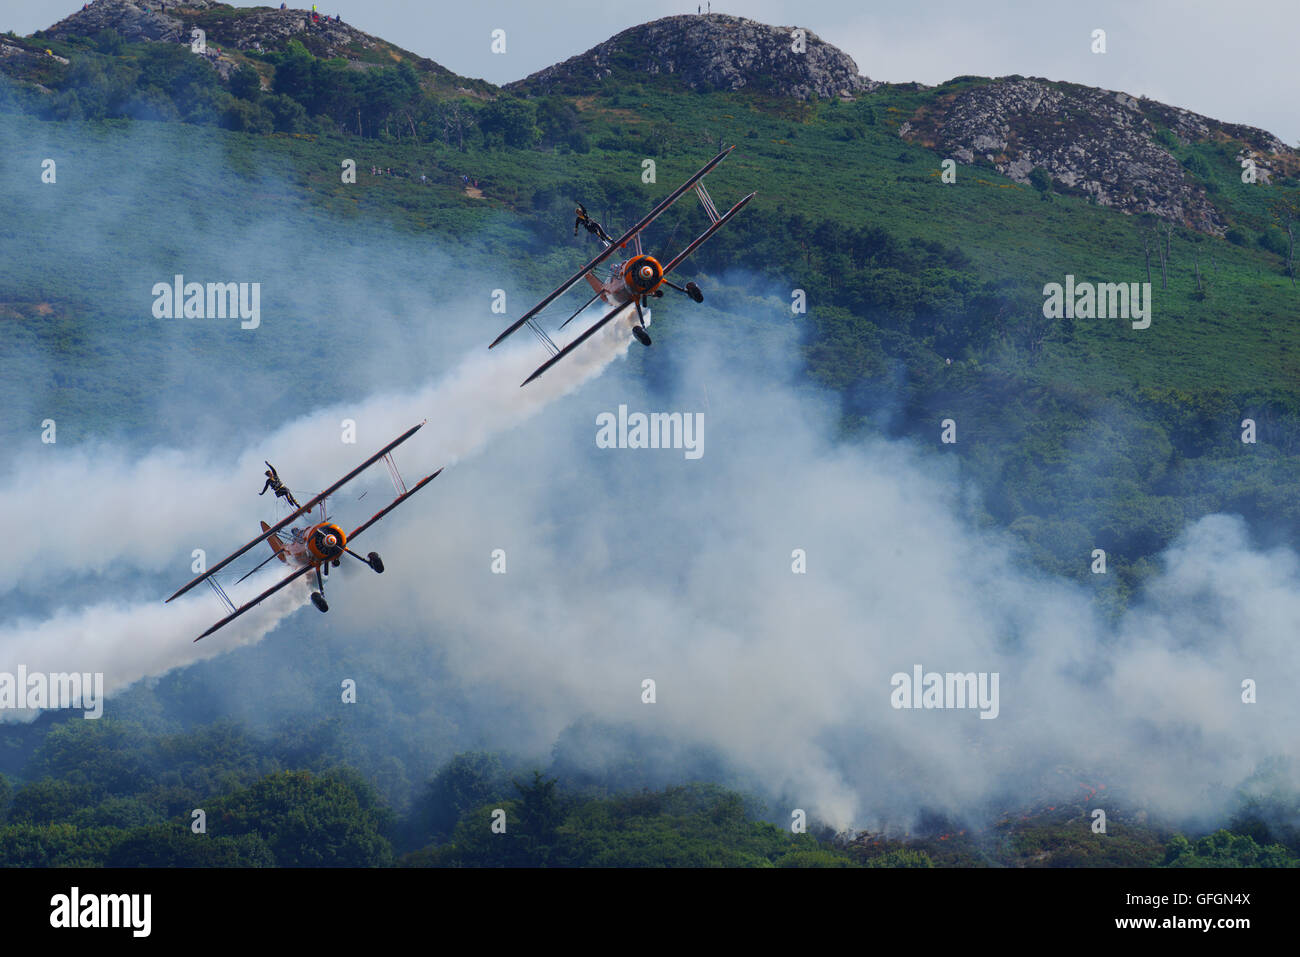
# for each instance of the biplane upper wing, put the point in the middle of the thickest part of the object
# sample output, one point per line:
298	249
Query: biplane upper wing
676	261
307	568
608	251
305	509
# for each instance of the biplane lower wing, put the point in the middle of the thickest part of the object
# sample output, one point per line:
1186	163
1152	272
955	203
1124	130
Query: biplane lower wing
268	531
676	261
608	251
257	601
577	342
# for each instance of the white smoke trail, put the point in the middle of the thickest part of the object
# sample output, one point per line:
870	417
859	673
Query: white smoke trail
89	508
127	641
93	508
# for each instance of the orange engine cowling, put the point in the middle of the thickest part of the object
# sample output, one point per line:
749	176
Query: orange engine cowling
326	541
642	275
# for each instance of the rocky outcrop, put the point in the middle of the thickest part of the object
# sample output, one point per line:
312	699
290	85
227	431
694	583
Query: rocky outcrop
708	53
135	21
257	29
1092	141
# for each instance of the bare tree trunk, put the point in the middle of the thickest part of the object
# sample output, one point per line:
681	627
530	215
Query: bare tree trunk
1197	264
1164	267
1146	251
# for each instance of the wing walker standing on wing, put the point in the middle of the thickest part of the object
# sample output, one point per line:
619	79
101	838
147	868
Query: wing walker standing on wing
315	546
631	281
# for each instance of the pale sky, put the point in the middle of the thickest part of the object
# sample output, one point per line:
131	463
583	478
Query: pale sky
1231	61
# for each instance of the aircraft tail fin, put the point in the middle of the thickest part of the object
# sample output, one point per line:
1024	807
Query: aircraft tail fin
276	545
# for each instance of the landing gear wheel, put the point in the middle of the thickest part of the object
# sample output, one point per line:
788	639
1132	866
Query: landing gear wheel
376	562
642	336
693	291
318	600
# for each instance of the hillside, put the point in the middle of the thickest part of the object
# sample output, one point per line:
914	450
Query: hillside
924	303
709	53
255	30
1105	145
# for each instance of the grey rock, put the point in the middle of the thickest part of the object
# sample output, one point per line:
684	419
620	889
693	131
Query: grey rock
713	52
1093	141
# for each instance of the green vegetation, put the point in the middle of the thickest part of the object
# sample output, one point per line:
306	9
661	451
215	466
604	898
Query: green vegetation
110	794
924	298
924	303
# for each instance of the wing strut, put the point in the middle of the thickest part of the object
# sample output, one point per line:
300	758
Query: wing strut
619	243
305	510
221	592
258	600
576	342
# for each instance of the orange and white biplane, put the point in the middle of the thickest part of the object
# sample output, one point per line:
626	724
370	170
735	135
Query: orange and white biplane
316	544
630	281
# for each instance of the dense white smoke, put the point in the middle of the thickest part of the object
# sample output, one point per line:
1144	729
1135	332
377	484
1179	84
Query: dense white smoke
625	564
98	507
642	564
630	564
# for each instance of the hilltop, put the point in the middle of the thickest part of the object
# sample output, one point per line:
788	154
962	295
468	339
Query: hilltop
709	53
1103	144
256	30
1117	150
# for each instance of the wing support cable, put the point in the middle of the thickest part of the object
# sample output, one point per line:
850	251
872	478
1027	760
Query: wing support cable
221	593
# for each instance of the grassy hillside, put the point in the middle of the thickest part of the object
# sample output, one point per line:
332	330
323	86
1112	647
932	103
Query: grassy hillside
1083	433
924	303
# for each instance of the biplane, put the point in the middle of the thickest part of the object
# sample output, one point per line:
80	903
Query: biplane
633	280
315	545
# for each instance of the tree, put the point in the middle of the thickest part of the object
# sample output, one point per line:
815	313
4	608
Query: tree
1225	849
293	74
467	781
308	820
515	120
540	816
245	83
174	845
1041	180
